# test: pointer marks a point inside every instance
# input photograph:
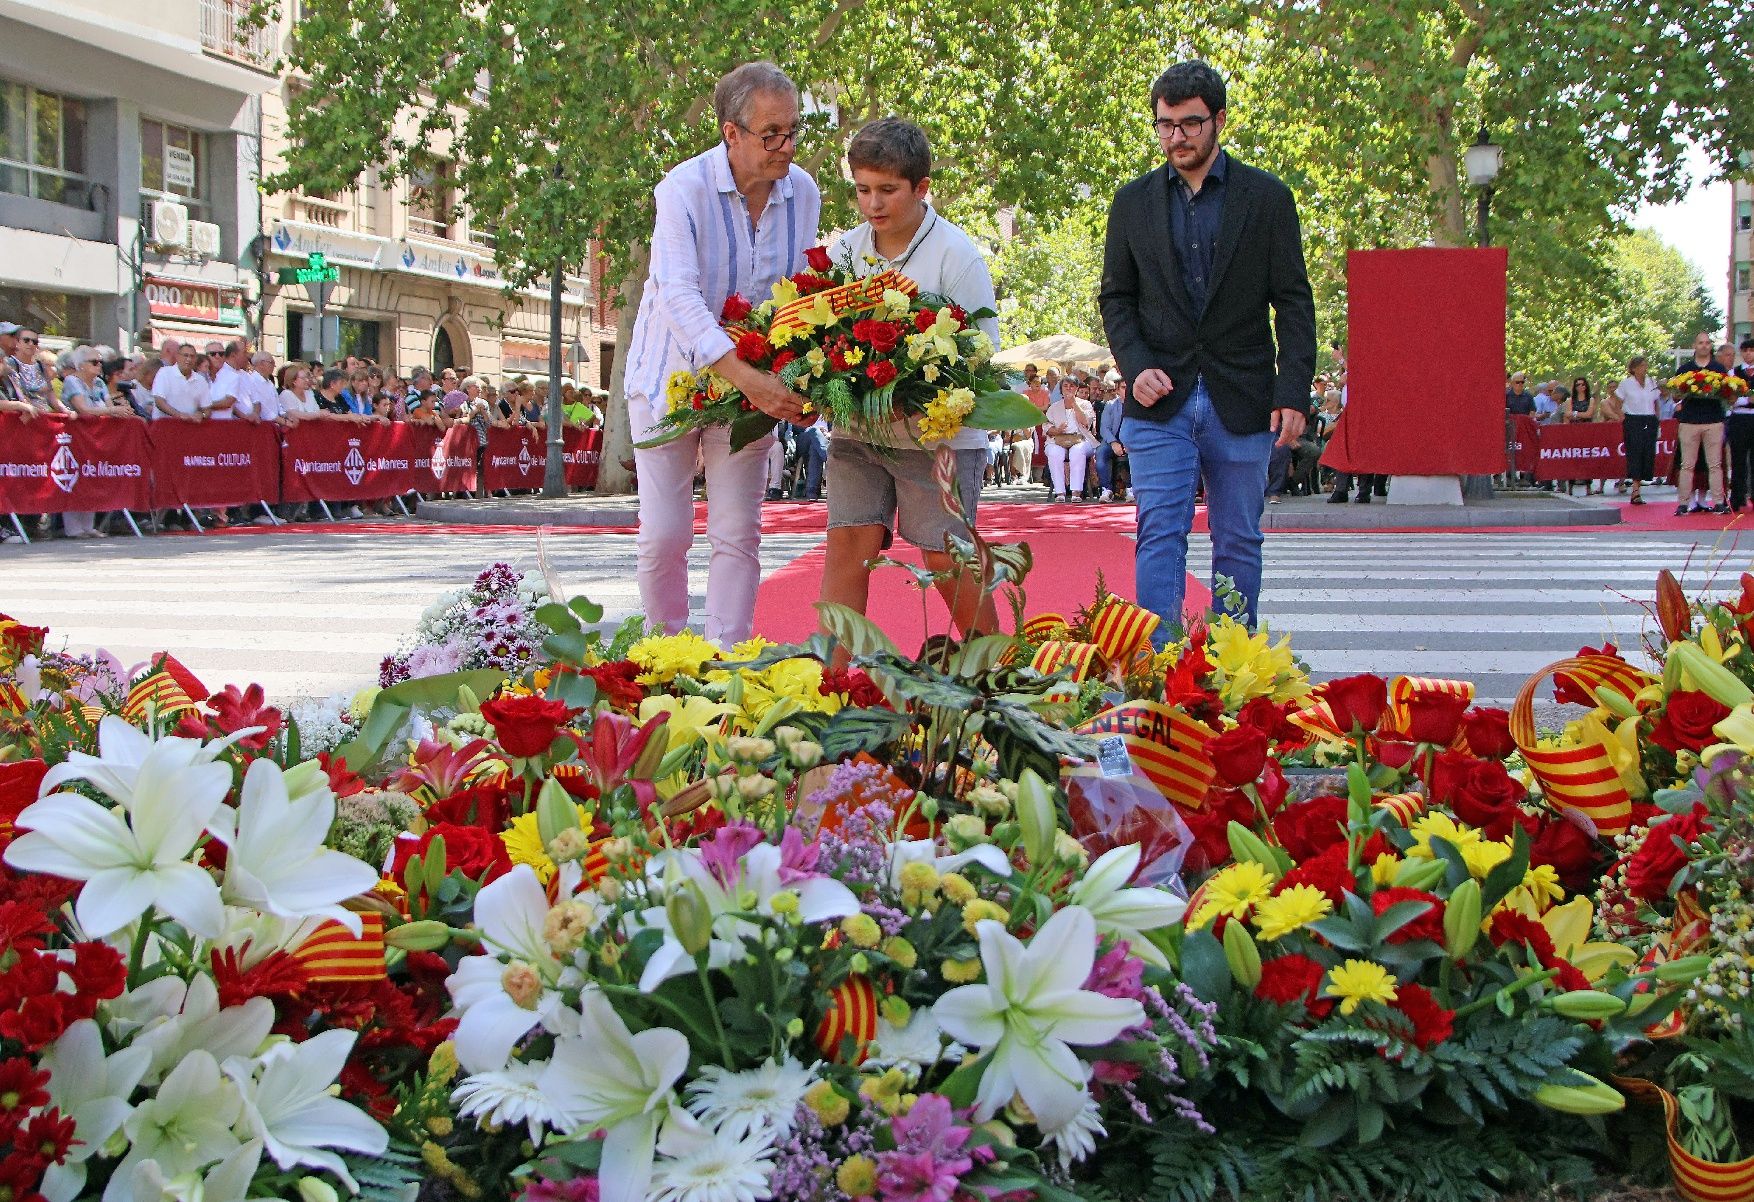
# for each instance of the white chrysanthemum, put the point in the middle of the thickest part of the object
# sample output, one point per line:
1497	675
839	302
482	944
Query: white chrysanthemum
696	1165
509	1096
1077	1138
912	1048
764	1097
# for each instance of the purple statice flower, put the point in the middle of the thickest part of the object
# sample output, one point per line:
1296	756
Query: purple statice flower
722	851
578	1189
803	1169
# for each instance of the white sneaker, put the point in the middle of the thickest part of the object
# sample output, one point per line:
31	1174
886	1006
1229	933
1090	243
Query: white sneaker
355	513
1106	496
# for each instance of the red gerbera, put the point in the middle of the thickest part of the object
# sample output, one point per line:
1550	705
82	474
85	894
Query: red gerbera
47	1136
1432	1024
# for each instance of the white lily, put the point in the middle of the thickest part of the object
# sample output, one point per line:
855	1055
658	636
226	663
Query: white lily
1123	912
190	1020
184	1127
94	1091
289	1108
137	859
1029	1011
607	1078
925	851
276	861
509	914
820	899
227	1181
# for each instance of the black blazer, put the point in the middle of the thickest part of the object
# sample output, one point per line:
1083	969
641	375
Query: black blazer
1258	262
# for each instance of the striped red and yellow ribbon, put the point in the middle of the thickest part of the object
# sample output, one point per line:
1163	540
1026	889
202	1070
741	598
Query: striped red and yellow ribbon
1166	745
851	1010
156	691
1081	658
1406	691
11	698
1404	806
1581	778
1695	1179
333	953
848	298
1046	626
1120	628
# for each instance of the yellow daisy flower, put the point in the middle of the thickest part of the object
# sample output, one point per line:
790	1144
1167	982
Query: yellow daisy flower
667	656
523	843
1232	891
1290	911
1358	981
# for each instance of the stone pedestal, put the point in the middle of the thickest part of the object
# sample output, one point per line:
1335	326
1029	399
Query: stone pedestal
1425	490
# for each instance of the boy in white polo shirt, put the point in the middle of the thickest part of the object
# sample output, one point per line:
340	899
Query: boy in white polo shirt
874	491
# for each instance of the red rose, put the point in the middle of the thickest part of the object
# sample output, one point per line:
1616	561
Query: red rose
1357	702
1394	753
1569	690
1238	754
1481	792
1291	981
1432	1024
1664	853
1269	717
1568	848
1210	826
468	849
526	726
1487	730
487	805
19	784
1434	718
1327	872
860	691
780	360
817	258
1429	925
880	372
1309	828
752	347
736	308
616	683
1687	721
925	319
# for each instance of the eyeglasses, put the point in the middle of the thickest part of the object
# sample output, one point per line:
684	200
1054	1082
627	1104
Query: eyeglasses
770	142
1188	127
29	341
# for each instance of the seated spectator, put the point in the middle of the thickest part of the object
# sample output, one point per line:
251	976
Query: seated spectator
1070	439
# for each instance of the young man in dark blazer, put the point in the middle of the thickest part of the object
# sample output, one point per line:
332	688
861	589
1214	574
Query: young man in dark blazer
1198	251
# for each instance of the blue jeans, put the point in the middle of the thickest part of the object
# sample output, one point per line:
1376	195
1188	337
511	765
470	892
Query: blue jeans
813	447
1168	460
1105	465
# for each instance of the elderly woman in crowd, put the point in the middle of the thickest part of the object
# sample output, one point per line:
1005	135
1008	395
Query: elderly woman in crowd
1070	439
85	392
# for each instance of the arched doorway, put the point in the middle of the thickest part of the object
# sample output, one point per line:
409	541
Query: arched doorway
450	346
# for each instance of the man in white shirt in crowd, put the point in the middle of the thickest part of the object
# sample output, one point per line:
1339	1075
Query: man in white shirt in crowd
178	390
732	221
258	398
222	397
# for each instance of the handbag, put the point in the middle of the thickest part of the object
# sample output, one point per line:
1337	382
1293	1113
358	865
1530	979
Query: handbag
1066	438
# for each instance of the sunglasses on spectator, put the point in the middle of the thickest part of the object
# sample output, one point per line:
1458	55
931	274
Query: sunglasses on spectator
29	341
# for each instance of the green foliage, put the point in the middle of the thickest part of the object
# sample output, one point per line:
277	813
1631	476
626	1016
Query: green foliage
390	1176
1489	1063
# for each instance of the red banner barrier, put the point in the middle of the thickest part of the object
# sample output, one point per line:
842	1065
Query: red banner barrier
345	461
213	464
583	450
51	465
1583	451
516	458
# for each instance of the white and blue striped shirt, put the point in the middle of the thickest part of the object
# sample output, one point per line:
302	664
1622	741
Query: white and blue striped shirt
704	248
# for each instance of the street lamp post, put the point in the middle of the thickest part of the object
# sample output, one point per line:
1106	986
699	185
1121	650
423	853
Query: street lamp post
1482	162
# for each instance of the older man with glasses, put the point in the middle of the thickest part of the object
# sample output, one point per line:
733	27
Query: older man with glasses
732	221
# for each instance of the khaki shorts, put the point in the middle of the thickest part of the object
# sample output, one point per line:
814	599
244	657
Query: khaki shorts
893	487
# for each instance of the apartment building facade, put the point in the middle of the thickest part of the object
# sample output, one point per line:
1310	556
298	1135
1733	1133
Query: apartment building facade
1740	320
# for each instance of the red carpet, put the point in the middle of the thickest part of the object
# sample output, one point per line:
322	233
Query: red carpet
1064	578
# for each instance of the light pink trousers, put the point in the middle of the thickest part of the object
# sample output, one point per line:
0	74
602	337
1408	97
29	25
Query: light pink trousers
734	488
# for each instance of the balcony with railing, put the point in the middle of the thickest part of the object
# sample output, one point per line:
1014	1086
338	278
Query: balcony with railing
228	31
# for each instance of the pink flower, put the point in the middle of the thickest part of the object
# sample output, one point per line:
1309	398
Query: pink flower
723	851
1117	973
927	1164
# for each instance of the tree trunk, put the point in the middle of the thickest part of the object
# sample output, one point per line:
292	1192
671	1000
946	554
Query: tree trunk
1450	228
615	468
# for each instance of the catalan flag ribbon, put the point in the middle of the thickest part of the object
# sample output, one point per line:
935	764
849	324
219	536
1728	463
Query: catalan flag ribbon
1404	806
1317	718
332	953
1082	658
1695	1179
156	691
1045	626
1581	778
1166	745
1121	628
848	298
11	699
1407	691
851	1010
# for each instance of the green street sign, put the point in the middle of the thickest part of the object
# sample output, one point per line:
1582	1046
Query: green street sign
308	275
316	261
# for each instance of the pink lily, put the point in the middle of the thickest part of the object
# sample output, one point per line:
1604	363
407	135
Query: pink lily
614	750
439	769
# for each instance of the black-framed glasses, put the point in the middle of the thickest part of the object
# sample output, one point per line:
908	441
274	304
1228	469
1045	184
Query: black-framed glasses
30	342
770	142
1188	127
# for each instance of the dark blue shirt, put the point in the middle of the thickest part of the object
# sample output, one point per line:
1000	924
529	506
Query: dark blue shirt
1194	219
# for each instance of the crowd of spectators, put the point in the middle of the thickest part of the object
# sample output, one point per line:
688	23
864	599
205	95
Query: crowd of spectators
230	381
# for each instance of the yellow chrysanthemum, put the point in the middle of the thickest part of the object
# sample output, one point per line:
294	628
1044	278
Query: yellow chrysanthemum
1382	869
679	389
1358	981
1539	890
1438	825
1232	891
1290	911
523	843
1482	857
749	648
667	656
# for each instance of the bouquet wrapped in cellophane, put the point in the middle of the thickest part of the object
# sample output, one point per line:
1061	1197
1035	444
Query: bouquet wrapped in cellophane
864	352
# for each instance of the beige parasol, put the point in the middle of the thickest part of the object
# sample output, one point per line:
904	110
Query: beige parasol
1064	349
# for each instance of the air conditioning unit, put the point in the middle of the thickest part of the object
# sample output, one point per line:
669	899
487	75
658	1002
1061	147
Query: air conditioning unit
170	223
204	239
